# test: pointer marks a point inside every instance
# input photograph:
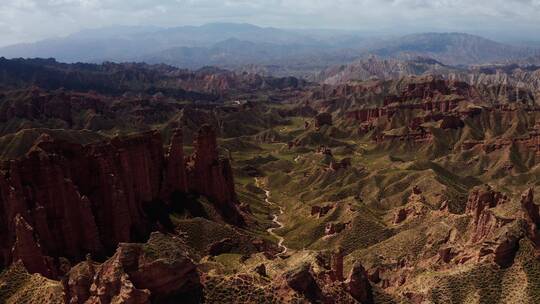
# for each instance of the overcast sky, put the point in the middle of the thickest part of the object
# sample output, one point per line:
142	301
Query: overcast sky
30	20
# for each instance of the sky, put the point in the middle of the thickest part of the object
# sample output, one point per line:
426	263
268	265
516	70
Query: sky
32	20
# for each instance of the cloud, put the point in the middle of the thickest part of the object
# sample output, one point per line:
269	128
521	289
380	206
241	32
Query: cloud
28	20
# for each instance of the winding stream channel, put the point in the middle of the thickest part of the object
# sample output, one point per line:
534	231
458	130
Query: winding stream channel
275	220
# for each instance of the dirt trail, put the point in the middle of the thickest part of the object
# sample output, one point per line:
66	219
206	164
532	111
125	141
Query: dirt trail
275	219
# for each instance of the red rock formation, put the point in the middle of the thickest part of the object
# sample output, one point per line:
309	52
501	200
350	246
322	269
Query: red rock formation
420	136
400	216
447	112
261	270
530	142
323	119
434	95
451	122
530	209
506	250
416	206
87	199
205	167
431	88
358	284
138	271
447	254
78	281
483	198
116	177
366	115
333	228
112	284
485	225
212	176
337	265
11	203
532	217
484	221
27	250
374	275
469	144
225	245
324	150
303	282
343	164
321	211
175	174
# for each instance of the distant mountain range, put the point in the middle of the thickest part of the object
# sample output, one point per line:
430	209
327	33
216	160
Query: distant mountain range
272	51
452	49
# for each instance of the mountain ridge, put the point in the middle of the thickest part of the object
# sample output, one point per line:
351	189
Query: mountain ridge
234	46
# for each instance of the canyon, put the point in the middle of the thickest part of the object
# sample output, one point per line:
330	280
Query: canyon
254	189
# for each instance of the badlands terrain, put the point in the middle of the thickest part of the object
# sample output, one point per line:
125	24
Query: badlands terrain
378	181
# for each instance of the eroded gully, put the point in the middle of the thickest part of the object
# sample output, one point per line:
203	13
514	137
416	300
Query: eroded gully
275	219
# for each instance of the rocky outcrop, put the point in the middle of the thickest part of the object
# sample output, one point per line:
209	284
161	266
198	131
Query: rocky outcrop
324	150
333	228
27	250
87	199
337	265
212	176
427	94
158	270
77	282
175	173
342	164
531	215
302	281
484	222
493	232
12	203
506	250
400	216
447	254
530	142
485	226
226	245
261	270
501	249
482	198
365	115
358	284
419	110
421	136
451	122
431	88
320	211
530	209
416	206
323	119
